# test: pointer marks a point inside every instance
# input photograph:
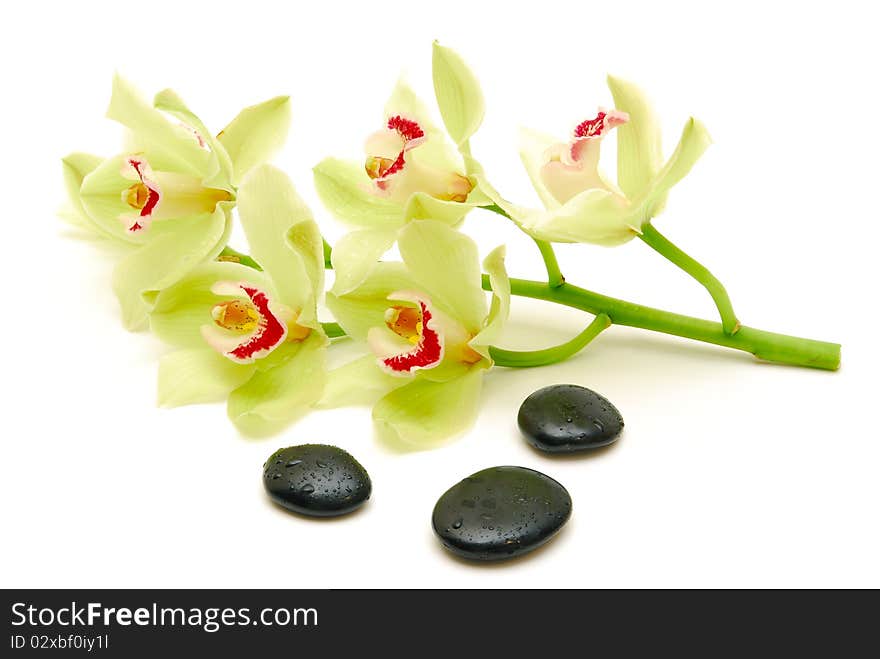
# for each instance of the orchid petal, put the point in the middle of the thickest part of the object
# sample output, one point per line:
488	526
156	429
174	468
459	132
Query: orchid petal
365	306
156	133
532	147
691	146
75	167
639	153
355	256
270	209
445	264
166	259
500	308
422	206
198	375
458	93
595	216
168	101
256	134
423	413
183	308
276	396
359	382
344	189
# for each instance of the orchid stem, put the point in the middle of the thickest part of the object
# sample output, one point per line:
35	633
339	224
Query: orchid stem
767	346
234	256
328	251
662	245
554	355
333	330
554	274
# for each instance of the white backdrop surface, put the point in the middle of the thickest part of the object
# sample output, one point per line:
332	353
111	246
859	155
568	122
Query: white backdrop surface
729	473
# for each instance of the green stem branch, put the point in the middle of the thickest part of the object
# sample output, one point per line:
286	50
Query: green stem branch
333	330
556	354
328	251
662	245
768	346
554	274
234	256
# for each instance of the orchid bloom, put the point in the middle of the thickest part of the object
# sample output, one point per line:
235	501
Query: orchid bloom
251	335
168	198
410	171
581	204
428	327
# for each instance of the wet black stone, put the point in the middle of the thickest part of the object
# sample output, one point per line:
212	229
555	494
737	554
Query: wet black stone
316	480
565	418
500	513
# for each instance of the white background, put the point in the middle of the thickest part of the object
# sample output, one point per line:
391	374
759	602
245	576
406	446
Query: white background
729	473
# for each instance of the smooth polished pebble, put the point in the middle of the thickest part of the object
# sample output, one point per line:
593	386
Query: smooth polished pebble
567	418
316	480
500	513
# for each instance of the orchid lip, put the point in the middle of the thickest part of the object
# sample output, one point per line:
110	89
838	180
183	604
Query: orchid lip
411	134
247	327
143	196
397	175
417	326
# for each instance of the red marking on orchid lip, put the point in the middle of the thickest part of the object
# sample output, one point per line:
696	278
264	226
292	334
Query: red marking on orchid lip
396	166
411	132
154	195
271	331
406	128
591	127
428	352
135	227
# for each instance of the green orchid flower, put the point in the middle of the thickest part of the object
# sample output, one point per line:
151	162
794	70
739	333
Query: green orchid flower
581	204
411	171
251	335
428	327
167	200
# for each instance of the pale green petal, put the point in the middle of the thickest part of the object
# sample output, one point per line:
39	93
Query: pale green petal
445	264
194	376
500	308
691	146
256	134
365	307
424	413
344	189
269	209
305	239
75	167
355	256
595	216
458	92
165	260
276	396
422	206
168	101
181	309
156	133
359	382
639	153
532	147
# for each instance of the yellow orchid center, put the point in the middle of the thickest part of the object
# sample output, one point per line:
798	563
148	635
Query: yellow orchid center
236	316
137	196
406	322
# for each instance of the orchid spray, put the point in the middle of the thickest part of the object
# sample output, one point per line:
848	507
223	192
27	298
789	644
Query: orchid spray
245	326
